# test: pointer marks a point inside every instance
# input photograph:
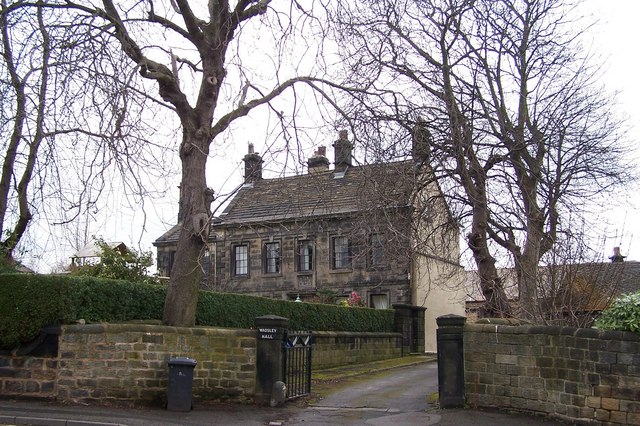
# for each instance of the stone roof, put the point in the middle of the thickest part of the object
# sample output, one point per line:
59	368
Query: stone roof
317	194
170	237
610	278
324	193
603	280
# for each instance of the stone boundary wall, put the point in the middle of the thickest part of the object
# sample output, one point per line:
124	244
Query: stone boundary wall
583	376
127	364
333	348
28	376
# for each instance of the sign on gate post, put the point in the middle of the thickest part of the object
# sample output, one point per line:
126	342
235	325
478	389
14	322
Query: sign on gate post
450	360
270	330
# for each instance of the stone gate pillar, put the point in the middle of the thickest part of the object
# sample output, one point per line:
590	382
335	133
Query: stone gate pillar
409	320
450	360
270	330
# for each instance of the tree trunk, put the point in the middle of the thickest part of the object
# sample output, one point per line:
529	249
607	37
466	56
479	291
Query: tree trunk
526	264
496	302
195	202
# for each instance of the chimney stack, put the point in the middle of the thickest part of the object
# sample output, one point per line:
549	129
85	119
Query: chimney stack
342	152
252	166
617	257
421	141
319	161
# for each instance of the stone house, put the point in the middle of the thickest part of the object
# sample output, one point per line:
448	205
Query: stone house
381	230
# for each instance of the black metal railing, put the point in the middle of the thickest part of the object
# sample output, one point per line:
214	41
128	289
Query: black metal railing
297	363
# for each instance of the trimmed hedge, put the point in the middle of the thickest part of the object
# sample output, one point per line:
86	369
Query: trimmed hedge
240	311
29	302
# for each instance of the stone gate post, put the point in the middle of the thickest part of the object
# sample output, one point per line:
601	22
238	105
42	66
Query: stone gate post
270	330
450	360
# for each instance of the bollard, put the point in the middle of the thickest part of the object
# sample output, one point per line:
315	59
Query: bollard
271	330
450	360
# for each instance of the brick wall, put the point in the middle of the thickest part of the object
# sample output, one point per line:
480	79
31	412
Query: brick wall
578	375
341	348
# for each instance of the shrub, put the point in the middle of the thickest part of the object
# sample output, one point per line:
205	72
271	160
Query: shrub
29	302
623	314
128	265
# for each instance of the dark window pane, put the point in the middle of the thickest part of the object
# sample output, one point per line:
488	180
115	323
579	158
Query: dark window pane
341	252
241	260
305	256
272	258
377	249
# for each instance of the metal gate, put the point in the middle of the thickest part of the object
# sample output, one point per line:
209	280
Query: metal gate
297	363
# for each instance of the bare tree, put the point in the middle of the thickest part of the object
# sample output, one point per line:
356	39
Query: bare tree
14	168
63	144
522	132
200	72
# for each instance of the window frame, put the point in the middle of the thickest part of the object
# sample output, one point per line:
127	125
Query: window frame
343	255
171	257
307	258
372	295
235	261
206	262
266	251
377	250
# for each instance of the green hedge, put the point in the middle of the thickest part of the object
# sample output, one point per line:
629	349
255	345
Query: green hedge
622	315
240	311
28	302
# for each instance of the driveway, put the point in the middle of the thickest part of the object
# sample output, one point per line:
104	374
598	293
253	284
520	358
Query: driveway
397	397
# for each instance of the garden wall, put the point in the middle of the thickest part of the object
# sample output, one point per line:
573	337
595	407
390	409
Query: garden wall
127	363
332	348
584	376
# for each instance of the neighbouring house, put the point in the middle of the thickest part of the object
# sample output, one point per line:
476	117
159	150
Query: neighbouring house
91	254
570	293
381	230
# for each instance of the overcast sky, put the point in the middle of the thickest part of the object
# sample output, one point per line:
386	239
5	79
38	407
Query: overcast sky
615	37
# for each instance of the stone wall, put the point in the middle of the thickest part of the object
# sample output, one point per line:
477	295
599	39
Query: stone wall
28	376
332	348
390	280
127	364
578	375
